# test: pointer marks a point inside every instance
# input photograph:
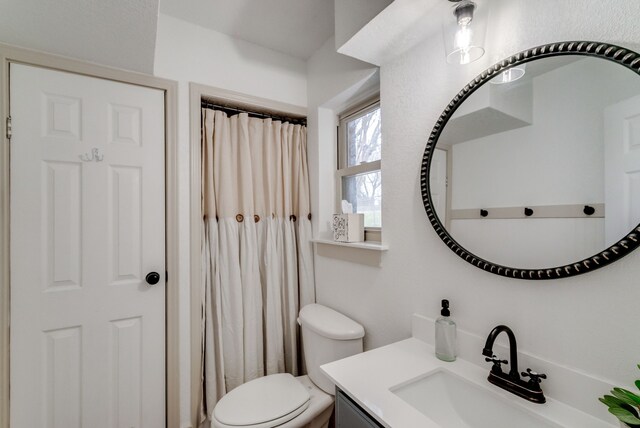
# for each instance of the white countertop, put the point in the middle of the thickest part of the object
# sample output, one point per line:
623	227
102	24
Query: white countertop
368	377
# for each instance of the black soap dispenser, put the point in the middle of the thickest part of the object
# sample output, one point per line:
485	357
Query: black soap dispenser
446	334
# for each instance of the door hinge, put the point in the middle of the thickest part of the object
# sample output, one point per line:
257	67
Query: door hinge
166	276
8	125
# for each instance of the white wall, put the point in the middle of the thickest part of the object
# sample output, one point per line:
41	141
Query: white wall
117	34
188	53
334	82
588	322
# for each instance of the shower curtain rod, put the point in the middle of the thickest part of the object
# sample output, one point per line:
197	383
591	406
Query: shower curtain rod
234	110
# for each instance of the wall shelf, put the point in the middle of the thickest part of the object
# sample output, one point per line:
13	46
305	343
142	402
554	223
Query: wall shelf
367	245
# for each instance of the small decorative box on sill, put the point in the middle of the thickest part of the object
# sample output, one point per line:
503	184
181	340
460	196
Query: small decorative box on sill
348	227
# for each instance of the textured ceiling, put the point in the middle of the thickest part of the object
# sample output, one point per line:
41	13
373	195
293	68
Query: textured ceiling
122	33
118	33
295	27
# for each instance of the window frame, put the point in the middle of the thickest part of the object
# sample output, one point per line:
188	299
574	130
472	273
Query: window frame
342	170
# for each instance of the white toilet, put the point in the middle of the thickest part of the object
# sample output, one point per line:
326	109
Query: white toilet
284	401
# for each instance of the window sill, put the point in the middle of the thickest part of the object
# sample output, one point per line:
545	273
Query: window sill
367	245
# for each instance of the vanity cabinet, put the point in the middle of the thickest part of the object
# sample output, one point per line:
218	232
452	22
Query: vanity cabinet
351	415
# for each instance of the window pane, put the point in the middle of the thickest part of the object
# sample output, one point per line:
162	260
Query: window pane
364	192
363	138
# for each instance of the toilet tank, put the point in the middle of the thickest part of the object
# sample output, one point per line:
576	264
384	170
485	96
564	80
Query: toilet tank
327	336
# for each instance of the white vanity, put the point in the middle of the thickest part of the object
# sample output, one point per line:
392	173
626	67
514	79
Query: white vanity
403	385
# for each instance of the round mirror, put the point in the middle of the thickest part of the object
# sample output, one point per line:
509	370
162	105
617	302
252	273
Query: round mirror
533	169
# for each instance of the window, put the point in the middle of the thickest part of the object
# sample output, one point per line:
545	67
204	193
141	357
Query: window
359	154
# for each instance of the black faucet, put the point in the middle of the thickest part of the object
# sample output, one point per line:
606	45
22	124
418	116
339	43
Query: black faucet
512	382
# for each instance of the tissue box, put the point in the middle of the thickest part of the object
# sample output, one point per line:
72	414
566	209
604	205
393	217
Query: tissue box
348	227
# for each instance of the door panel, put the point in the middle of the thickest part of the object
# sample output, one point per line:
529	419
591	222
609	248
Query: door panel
62	385
125	225
62	194
62	117
87	224
126	365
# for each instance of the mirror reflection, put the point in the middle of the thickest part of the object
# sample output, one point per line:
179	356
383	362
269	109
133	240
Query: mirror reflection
544	170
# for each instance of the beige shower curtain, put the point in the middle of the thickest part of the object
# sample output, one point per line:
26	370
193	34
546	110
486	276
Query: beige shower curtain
256	255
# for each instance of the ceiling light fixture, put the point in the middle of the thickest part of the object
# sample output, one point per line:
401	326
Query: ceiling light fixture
463	33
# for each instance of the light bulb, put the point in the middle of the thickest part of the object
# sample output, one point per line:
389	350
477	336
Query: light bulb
463	37
463	50
462	42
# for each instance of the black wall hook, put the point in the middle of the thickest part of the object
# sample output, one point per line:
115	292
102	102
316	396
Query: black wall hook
528	212
484	213
589	210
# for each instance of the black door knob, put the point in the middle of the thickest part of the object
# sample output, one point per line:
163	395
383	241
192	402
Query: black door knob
152	278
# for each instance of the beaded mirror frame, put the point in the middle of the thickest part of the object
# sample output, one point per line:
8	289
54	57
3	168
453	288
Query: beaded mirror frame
623	56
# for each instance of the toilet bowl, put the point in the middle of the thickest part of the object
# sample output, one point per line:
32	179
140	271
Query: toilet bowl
283	401
294	402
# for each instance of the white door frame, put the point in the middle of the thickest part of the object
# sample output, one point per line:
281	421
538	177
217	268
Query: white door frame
11	54
225	97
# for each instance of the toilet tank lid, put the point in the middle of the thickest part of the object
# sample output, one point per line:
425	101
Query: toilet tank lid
329	323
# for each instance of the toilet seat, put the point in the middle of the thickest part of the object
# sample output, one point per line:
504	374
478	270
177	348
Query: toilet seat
262	403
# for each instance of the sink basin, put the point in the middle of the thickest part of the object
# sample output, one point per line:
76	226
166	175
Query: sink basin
452	401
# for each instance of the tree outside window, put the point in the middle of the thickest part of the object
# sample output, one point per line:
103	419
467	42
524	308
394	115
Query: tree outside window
363	187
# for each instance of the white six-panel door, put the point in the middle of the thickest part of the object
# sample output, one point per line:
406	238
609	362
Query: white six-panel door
622	168
87	225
